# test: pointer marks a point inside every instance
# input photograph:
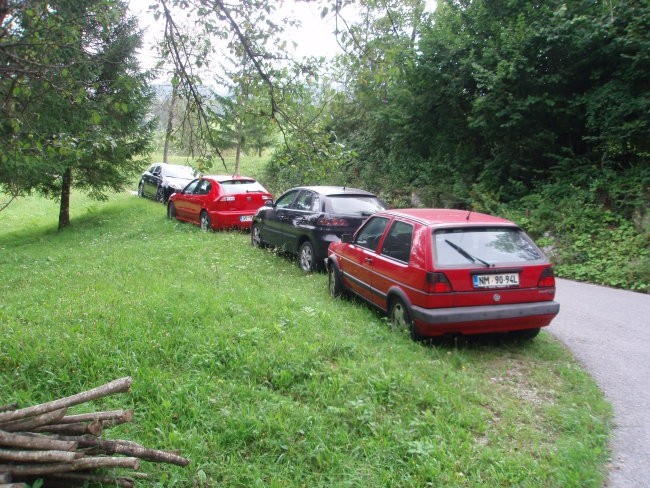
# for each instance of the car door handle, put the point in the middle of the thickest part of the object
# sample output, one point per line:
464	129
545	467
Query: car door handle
367	260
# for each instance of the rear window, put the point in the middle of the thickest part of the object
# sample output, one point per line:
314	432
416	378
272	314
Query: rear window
242	186
354	205
180	172
484	246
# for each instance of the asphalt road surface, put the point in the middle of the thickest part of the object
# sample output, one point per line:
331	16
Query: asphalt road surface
608	331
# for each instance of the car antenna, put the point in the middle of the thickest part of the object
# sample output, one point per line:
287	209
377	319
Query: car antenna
468	214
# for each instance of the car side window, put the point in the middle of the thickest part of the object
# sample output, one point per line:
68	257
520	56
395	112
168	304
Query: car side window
370	234
305	200
203	188
397	244
189	189
285	200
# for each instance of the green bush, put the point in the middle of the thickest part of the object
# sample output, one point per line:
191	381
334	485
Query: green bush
586	240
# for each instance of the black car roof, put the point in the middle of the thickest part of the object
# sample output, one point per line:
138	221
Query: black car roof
334	190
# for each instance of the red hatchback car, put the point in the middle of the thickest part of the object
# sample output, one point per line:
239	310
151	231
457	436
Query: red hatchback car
440	271
218	202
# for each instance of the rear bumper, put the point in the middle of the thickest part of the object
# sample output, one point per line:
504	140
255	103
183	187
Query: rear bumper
493	318
229	220
492	312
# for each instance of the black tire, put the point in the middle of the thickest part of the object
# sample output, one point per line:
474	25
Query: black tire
205	222
171	210
400	318
334	281
256	237
140	186
524	334
160	194
307	257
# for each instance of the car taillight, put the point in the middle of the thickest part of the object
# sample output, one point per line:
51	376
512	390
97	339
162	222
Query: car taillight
267	197
332	222
547	279
438	283
227	198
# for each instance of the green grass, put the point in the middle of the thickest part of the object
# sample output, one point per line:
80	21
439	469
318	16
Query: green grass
255	374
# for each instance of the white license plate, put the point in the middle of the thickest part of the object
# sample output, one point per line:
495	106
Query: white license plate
246	218
496	280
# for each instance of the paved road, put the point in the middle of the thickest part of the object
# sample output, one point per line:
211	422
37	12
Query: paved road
609	333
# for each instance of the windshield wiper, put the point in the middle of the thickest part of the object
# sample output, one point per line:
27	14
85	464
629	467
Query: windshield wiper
467	255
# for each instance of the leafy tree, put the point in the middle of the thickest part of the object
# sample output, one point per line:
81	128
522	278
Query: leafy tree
380	49
226	37
497	97
80	120
240	115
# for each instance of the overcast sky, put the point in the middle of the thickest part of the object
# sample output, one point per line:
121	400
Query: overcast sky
314	38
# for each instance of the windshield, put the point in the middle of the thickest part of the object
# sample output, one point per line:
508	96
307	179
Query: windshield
177	171
487	246
242	186
355	204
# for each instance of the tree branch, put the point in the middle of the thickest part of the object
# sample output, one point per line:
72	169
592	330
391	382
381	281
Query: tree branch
116	386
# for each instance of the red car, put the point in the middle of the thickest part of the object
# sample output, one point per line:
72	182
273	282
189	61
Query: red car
440	271
218	202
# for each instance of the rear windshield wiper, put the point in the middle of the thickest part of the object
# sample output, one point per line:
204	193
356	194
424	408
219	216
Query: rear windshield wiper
467	255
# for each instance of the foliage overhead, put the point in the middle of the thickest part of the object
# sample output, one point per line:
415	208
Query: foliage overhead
500	96
224	37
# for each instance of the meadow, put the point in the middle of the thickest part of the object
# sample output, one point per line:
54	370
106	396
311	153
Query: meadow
247	366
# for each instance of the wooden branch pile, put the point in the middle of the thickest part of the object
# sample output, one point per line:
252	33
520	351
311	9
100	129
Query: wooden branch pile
66	450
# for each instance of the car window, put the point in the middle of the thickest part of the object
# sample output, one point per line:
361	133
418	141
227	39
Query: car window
354	204
307	200
242	186
286	199
191	187
203	188
371	232
483	246
155	170
397	243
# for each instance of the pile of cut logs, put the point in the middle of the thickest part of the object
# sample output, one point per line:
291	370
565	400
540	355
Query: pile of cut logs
43	443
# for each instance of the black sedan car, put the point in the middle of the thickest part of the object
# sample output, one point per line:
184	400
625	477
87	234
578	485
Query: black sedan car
304	220
161	180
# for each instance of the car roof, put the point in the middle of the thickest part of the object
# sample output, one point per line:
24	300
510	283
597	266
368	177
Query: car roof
221	178
167	165
328	190
447	216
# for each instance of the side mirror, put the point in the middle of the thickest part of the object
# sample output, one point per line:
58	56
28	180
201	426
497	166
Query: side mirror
269	203
347	238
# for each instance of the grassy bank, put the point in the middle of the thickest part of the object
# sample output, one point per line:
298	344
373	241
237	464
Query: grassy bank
247	366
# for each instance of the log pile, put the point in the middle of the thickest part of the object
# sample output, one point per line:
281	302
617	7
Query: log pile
43	442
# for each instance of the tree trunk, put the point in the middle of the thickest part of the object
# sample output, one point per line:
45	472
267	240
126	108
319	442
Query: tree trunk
239	140
64	209
170	117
